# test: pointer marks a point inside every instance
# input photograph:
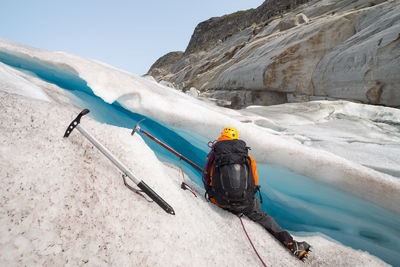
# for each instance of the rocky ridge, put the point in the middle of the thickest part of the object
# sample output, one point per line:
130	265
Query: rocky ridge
291	52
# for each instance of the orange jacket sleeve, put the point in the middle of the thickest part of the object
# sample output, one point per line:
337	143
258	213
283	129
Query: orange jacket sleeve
254	169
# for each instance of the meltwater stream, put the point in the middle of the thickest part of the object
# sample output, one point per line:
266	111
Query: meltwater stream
299	204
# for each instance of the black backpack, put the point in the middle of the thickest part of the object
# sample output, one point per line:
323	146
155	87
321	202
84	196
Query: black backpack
233	185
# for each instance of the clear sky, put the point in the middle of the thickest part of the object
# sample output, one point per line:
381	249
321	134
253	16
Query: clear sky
130	35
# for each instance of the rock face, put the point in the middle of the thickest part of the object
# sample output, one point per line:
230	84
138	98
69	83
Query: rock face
295	51
164	62
208	33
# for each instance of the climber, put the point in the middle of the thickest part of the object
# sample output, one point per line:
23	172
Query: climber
231	182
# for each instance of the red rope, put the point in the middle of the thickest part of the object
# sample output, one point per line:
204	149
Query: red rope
258	255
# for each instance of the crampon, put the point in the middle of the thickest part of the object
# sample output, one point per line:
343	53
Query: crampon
299	249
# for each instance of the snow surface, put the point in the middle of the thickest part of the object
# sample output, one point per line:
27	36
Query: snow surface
13	81
352	131
63	203
177	109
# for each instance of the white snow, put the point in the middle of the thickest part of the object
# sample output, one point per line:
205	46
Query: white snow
102	78
63	203
366	134
13	81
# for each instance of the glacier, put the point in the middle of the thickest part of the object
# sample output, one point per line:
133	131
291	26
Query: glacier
275	143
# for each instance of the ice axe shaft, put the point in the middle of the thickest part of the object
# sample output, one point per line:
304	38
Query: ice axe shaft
142	185
139	129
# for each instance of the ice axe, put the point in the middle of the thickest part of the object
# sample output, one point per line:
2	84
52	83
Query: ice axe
180	156
142	185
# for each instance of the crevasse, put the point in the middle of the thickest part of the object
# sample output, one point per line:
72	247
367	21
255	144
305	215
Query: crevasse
302	205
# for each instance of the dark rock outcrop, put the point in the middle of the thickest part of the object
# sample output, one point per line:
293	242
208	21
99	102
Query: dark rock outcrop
208	33
164	62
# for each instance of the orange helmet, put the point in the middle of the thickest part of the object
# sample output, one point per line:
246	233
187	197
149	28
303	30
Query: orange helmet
230	132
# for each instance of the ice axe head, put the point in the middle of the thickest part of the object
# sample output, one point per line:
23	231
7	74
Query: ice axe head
75	122
137	127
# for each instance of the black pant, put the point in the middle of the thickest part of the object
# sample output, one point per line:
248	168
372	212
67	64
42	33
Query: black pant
257	215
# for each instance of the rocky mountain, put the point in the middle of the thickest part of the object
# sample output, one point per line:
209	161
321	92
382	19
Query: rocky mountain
291	51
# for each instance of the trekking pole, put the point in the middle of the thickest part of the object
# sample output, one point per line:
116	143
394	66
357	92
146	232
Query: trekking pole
139	129
142	185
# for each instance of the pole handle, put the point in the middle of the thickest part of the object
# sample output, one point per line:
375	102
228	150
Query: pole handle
154	196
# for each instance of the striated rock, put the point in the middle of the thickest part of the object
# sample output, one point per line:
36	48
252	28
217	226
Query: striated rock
163	63
242	98
323	49
366	66
290	22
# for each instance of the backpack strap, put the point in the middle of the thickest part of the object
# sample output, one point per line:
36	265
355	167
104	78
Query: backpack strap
258	188
206	171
